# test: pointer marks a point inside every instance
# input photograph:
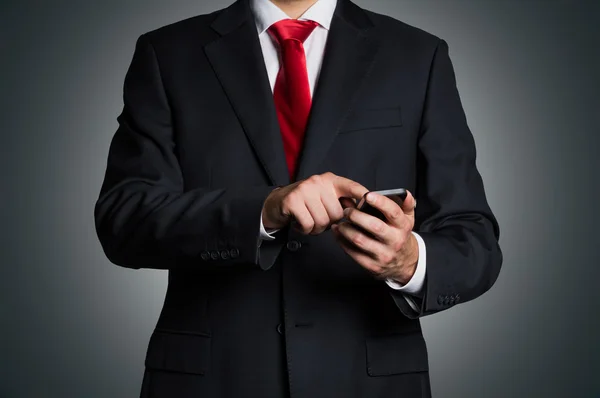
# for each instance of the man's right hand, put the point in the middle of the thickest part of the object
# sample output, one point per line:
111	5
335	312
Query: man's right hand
314	203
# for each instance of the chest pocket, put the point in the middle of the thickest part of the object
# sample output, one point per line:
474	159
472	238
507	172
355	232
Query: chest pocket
372	119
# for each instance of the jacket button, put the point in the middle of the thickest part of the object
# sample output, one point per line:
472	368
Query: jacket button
440	299
204	255
214	255
234	253
456	298
280	329
293	245
224	254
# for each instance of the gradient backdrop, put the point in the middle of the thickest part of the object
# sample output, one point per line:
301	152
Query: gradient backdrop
74	325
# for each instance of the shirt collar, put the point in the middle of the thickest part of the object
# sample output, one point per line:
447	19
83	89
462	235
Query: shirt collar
266	13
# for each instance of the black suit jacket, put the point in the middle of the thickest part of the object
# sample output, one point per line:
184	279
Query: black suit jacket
197	152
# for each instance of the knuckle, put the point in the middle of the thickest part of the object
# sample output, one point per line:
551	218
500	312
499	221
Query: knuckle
307	226
378	226
386	258
399	244
358	240
292	197
304	186
315	179
397	247
321	223
395	214
338	213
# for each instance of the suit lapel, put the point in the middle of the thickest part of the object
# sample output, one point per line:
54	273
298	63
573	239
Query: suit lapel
349	55
237	60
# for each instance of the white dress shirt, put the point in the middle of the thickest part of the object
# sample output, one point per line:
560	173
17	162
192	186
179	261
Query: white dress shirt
266	14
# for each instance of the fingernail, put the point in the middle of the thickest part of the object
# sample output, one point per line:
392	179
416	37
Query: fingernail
371	198
346	211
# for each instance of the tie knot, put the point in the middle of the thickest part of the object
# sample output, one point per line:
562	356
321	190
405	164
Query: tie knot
292	29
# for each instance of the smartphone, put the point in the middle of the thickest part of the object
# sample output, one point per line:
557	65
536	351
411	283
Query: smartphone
397	195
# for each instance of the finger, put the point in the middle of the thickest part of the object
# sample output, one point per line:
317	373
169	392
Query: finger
361	240
409	204
362	258
346	203
373	225
390	209
318	214
348	188
303	218
332	205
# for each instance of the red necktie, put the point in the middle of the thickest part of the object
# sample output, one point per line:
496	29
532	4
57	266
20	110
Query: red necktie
292	91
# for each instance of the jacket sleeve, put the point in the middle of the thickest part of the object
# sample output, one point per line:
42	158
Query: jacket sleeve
453	217
144	217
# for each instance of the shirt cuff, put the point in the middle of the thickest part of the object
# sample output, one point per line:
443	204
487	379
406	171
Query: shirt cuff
415	284
264	235
411	303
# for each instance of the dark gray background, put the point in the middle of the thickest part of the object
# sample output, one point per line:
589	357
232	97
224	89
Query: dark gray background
73	325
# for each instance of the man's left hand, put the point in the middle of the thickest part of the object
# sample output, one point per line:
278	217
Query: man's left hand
392	251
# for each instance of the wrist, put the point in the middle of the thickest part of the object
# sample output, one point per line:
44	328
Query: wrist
408	269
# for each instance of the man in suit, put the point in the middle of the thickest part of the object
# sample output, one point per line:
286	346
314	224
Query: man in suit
246	138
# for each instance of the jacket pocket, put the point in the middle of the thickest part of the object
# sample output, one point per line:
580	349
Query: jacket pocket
369	119
396	354
179	352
